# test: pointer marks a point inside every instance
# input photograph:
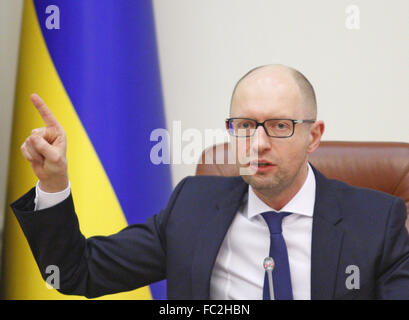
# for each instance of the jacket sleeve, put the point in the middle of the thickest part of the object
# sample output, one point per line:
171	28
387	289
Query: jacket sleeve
129	259
393	282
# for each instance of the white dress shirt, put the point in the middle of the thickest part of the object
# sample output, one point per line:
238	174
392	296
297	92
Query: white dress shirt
44	200
238	272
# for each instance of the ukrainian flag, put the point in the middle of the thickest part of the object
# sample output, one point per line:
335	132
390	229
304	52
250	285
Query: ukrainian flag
95	65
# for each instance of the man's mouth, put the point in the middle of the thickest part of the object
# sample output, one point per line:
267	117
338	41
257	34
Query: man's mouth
261	165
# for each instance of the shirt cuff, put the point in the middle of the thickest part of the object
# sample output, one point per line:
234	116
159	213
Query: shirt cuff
44	200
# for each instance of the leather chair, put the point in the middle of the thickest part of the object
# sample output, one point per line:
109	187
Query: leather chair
382	166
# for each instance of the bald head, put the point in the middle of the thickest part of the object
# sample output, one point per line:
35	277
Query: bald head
280	73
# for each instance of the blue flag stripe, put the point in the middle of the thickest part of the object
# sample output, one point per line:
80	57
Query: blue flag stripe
106	57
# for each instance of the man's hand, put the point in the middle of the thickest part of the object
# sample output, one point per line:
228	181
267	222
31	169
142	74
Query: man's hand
46	148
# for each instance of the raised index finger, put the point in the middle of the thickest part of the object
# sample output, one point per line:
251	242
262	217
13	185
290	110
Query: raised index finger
45	113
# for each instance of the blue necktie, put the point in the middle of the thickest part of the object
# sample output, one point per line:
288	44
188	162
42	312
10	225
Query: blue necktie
278	251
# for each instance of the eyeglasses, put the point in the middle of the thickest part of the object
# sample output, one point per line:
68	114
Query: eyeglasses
275	128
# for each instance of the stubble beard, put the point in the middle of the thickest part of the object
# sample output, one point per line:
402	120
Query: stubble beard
268	184
272	184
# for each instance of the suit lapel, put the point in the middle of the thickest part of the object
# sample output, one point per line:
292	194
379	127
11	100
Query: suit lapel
327	237
211	237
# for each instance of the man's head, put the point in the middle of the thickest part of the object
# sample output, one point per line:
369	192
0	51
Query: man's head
276	92
305	87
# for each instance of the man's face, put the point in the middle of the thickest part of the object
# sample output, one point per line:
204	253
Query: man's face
270	96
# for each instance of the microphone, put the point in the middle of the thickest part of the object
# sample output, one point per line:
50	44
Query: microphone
269	266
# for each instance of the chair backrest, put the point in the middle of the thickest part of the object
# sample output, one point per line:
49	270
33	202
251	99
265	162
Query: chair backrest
382	166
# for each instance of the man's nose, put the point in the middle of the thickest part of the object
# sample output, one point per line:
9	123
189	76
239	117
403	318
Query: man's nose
261	141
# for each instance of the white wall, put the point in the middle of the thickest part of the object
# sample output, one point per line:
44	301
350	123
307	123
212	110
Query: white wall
361	76
10	22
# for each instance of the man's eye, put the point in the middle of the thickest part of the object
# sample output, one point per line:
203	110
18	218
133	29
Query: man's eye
245	125
282	125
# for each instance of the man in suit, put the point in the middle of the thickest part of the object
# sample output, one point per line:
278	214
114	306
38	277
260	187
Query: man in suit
328	240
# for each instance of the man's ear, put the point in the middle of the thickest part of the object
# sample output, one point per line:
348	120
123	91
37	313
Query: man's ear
316	133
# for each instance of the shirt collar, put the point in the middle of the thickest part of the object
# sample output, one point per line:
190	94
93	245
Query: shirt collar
302	203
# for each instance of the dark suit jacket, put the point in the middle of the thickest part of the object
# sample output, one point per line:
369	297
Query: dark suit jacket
351	226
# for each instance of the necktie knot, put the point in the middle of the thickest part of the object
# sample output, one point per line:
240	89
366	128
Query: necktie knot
274	220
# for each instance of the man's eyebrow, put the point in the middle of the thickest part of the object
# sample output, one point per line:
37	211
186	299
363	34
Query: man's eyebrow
266	118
